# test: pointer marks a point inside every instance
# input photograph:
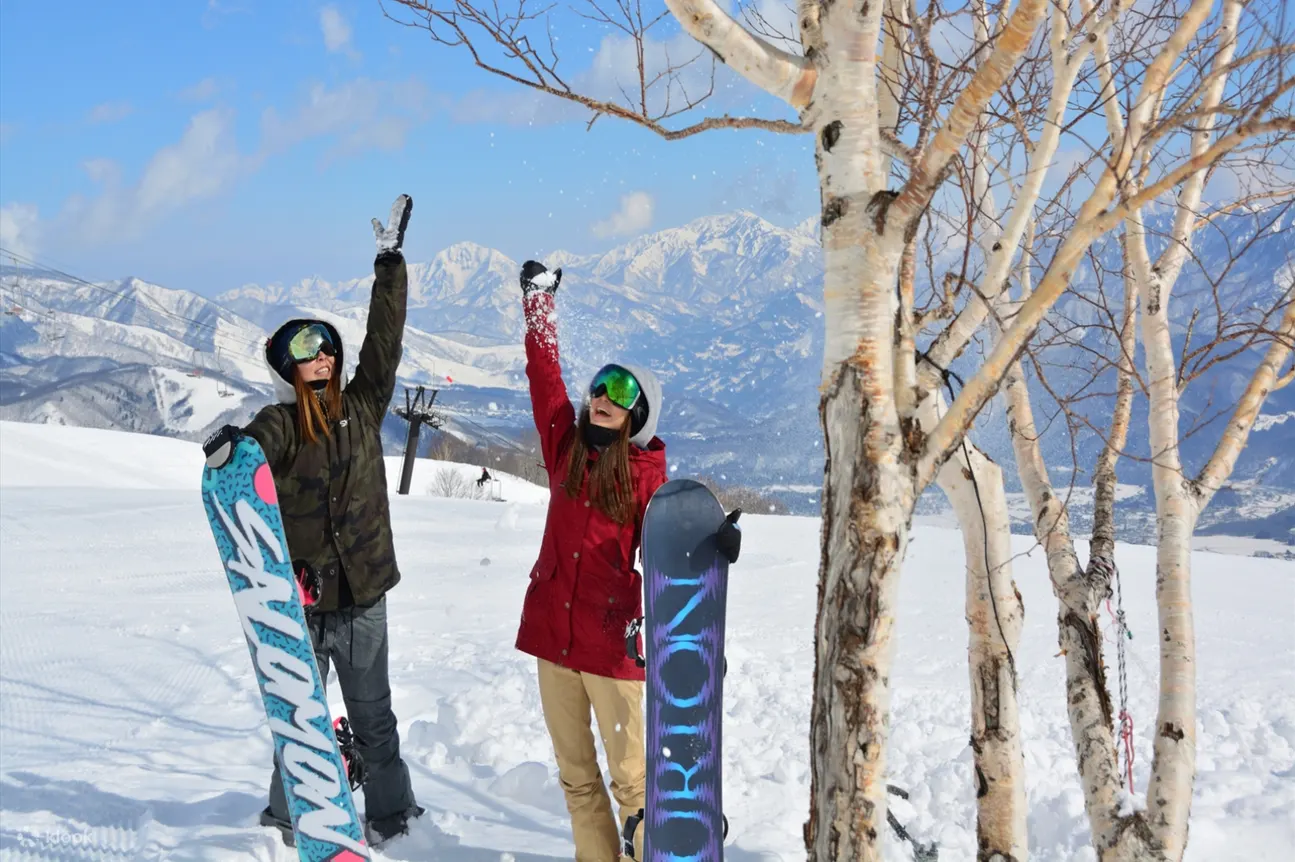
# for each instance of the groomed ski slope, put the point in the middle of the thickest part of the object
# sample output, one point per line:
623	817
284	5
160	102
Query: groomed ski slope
130	726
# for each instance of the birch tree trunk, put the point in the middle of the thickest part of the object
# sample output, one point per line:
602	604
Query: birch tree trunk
1173	768
1102	544
1079	601
869	484
974	485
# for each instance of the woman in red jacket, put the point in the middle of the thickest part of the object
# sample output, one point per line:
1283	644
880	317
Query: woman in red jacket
603	466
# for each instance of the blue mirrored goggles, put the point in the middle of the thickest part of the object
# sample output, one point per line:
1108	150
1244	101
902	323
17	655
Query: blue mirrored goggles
309	342
620	386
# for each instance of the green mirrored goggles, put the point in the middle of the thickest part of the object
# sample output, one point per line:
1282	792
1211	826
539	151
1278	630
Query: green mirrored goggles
620	387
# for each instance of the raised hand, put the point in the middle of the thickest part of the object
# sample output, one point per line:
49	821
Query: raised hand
392	237
536	277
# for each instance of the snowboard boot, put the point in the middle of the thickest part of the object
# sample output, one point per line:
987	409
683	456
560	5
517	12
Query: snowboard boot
284	826
379	832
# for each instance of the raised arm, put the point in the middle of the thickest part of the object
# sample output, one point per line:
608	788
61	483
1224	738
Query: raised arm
555	418
380	354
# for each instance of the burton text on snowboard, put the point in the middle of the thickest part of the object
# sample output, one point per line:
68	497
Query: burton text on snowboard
685	585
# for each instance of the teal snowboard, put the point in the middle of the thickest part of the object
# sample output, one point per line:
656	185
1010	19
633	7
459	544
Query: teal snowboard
242	506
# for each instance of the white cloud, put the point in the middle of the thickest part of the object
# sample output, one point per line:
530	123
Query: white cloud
337	31
206	161
363	114
202	91
633	217
19	226
202	164
109	112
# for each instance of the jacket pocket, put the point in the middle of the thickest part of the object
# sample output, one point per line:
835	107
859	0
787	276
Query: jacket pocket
547	565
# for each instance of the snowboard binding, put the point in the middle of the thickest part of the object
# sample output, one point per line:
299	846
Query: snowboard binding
219	447
631	641
355	771
632	824
309	584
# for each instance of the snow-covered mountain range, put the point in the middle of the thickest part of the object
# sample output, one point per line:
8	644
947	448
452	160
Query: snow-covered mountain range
727	309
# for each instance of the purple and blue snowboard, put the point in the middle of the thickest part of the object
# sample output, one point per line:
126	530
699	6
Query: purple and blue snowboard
685	585
242	505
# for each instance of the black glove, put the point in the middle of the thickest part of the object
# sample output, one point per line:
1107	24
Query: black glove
392	237
536	277
729	537
220	446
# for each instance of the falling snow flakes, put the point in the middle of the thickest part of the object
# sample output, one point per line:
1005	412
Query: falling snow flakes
545	279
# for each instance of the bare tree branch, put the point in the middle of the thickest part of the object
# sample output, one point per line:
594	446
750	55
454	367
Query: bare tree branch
1263	382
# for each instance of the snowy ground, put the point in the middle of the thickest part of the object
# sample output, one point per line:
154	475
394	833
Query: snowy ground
130	726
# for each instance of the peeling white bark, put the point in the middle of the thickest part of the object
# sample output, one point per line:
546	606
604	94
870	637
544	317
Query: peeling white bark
785	75
1079	635
892	57
1087	701
1173	769
1264	382
1104	475
974	485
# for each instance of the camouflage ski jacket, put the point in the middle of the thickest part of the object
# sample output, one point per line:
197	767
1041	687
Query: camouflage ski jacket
333	492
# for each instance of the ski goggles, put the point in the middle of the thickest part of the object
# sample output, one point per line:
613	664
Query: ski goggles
620	387
309	342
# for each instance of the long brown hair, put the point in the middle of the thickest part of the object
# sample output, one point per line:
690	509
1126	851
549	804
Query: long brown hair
610	486
314	412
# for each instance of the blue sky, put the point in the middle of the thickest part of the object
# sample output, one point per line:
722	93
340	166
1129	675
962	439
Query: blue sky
205	144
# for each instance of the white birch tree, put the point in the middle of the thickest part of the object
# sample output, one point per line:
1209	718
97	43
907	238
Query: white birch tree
1161	832
886	438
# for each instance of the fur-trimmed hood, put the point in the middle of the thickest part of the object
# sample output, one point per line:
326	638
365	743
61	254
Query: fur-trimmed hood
284	391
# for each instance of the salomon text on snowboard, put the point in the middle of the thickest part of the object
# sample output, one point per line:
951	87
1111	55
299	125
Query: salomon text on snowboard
239	495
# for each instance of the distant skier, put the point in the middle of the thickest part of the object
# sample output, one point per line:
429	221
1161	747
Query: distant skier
322	441
485	477
604	465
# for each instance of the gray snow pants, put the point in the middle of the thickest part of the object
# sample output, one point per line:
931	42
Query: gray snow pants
355	639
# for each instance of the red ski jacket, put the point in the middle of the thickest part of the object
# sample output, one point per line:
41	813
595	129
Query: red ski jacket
584	589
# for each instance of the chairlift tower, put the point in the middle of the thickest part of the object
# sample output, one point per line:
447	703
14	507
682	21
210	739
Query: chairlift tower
417	412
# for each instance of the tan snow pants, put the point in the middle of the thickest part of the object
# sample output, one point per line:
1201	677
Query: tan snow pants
567	696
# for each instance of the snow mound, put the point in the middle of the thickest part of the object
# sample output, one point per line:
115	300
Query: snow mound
45	455
133	728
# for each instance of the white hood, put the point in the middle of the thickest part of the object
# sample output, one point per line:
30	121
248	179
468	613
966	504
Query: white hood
651	389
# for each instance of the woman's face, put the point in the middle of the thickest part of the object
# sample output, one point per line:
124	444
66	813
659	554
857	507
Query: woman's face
604	413
319	368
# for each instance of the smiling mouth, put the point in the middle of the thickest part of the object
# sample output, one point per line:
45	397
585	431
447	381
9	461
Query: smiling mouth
602	411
